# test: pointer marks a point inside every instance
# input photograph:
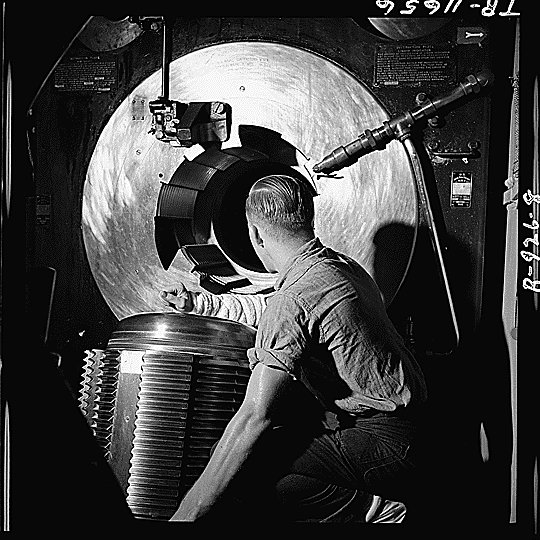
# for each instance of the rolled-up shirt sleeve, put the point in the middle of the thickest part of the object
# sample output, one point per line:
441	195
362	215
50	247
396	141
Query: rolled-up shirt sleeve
243	308
282	336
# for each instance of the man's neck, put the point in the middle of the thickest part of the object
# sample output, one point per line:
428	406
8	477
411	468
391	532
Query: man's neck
284	251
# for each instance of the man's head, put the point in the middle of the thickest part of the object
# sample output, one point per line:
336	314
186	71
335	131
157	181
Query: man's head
280	215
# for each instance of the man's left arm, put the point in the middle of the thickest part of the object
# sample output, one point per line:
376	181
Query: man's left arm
265	387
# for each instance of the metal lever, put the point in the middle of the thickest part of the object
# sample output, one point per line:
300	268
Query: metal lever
473	152
457	155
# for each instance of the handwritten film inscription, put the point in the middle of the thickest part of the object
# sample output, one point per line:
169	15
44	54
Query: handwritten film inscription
486	8
532	282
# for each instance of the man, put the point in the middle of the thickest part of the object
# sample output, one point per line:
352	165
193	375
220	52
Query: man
328	426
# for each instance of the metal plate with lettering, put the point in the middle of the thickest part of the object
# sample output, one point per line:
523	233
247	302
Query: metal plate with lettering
461	190
412	65
85	73
43	210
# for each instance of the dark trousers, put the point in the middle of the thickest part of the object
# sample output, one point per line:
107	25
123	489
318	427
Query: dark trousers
298	474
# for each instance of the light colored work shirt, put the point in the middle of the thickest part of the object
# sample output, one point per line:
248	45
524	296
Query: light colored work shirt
327	326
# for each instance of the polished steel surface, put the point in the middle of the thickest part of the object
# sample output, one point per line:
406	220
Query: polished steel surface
182	332
313	103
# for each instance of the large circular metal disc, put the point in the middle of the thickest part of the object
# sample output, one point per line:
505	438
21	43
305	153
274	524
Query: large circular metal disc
367	211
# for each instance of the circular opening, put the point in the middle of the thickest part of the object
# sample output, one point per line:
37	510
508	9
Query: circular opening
230	223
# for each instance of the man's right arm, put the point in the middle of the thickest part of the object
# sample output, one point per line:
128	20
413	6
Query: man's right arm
255	416
244	308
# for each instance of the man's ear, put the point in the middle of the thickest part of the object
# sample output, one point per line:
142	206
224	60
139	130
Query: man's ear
255	233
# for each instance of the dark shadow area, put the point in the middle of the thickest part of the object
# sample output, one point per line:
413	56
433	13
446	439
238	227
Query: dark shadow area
268	142
394	244
421	301
58	474
469	387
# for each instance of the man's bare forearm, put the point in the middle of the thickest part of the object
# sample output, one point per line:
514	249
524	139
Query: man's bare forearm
254	417
232	451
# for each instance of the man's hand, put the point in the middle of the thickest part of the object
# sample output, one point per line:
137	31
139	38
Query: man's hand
178	298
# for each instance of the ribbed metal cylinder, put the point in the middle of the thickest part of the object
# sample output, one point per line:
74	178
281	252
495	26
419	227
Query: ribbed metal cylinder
158	398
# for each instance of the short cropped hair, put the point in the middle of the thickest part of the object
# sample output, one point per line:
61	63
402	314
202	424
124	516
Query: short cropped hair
282	203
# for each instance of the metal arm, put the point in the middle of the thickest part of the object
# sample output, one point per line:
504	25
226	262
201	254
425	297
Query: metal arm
184	124
400	126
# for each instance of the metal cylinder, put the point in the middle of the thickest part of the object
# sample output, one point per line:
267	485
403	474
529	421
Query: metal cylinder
158	398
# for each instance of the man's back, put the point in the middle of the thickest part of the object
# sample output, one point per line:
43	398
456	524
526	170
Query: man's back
328	323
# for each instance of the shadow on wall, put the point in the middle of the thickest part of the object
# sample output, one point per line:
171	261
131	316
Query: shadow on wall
469	425
422	296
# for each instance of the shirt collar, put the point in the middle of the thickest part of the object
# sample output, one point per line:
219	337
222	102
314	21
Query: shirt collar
299	255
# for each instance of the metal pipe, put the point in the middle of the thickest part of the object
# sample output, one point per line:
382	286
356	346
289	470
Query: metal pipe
399	126
433	234
165	61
